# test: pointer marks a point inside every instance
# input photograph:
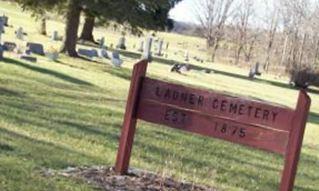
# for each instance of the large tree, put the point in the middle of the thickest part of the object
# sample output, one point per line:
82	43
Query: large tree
134	13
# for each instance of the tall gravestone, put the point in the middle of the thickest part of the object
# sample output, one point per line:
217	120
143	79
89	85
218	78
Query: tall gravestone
186	56
5	20
55	36
147	54
102	43
1	29
121	43
159	47
19	33
141	47
1	52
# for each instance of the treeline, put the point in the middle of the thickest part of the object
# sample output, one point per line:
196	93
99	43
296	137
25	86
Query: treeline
280	34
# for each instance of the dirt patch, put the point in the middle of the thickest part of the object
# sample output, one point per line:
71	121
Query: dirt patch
136	180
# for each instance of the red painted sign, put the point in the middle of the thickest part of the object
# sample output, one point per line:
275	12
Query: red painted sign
239	120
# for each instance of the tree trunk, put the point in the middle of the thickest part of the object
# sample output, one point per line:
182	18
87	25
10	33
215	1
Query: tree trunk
88	27
43	26
71	28
238	53
283	57
215	48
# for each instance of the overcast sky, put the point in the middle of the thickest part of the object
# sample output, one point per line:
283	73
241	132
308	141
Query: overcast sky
185	10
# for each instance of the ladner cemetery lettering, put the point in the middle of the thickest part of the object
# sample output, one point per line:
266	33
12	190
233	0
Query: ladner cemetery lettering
219	105
239	120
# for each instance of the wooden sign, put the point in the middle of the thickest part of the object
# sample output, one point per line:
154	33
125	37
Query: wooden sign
243	121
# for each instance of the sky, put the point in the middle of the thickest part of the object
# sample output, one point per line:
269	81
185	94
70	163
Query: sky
185	10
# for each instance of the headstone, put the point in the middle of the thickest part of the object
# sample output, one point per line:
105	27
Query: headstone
116	60
55	36
121	43
102	53
35	48
167	45
28	58
251	74
5	20
9	46
159	48
19	33
186	56
257	67
102	42
88	53
1	52
141	47
147	54
1	27
180	68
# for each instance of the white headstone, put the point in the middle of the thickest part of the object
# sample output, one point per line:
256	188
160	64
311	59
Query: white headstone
19	33
116	60
102	53
102	42
147	54
186	56
55	35
141	47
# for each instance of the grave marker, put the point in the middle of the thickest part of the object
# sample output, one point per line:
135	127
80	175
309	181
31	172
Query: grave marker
1	52
116	60
55	36
19	33
159	47
141	47
1	29
253	123
147	54
9	46
35	48
121	43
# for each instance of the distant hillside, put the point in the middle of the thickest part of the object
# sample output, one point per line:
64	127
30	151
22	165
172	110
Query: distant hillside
186	28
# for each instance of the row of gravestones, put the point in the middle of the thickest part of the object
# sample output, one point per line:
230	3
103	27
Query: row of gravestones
3	23
102	53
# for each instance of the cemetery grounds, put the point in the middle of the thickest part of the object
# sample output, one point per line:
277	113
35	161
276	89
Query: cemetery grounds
55	115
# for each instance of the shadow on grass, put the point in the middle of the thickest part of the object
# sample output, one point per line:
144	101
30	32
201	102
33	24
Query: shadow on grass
7	92
231	165
5	147
47	72
123	73
314	118
44	153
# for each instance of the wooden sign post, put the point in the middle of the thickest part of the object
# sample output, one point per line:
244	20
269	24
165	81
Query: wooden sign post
243	121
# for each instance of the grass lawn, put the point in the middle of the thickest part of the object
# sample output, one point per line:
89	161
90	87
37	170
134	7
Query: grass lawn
55	115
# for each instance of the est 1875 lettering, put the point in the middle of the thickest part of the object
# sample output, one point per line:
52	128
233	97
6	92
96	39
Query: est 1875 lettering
175	116
230	130
221	128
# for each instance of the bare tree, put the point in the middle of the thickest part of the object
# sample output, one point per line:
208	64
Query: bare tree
272	21
242	18
213	15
